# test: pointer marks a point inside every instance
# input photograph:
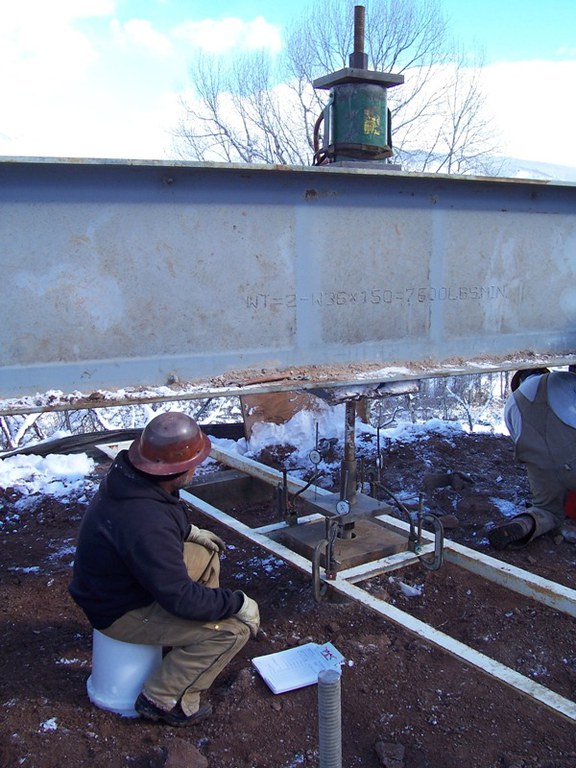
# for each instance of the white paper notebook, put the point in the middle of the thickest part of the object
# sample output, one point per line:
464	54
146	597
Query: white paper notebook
297	667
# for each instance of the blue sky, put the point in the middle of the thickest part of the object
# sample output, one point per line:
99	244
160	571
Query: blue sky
101	78
515	30
508	30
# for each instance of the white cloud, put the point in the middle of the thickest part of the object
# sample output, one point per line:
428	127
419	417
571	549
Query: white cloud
42	46
531	105
141	33
45	58
221	36
53	14
75	88
101	130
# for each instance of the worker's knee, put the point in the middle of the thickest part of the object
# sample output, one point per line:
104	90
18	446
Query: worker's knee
202	564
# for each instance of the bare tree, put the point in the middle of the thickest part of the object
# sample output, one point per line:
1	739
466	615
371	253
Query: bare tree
239	113
473	398
260	109
458	137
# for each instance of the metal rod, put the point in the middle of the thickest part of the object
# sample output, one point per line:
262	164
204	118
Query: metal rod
358	59
350	431
329	719
348	471
359	28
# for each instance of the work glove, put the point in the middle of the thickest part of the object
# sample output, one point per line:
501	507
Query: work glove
249	614
206	539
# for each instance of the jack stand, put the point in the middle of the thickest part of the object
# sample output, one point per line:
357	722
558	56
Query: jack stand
286	510
348	537
349	465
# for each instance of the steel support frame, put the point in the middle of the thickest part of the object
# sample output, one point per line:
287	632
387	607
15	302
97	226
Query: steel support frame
345	582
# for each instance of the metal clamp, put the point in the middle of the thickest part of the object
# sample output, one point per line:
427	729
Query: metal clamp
319	588
434	563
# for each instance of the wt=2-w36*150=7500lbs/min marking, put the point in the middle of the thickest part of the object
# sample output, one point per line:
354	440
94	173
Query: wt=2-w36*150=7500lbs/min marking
380	296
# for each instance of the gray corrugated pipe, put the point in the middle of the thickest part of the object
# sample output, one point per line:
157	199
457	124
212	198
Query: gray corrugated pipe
329	719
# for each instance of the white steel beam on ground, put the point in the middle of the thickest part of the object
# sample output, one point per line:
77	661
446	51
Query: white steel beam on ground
533	690
495	669
523	582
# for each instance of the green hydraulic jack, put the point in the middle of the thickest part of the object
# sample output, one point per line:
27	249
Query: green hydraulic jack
357	122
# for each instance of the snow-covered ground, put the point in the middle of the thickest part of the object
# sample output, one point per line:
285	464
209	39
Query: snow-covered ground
72	476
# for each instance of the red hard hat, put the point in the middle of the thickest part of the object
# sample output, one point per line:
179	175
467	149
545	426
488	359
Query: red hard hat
169	444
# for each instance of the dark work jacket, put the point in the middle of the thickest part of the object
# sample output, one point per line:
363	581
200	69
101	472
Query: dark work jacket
129	554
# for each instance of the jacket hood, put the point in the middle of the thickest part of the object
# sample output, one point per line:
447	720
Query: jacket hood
123	481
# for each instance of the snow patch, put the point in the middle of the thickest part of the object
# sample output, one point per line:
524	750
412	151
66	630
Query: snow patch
49	725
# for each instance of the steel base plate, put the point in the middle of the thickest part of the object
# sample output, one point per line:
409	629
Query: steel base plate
370	541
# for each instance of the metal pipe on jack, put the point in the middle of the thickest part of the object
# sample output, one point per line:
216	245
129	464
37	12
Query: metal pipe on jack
359	16
348	466
358	59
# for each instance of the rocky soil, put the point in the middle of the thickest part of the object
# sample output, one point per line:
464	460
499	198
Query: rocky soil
405	703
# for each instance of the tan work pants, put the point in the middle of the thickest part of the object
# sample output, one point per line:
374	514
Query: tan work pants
200	650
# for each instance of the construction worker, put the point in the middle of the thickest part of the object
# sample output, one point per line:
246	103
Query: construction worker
540	415
144	574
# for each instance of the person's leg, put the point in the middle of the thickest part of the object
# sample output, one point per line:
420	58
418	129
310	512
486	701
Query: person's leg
549	489
200	651
188	670
202	564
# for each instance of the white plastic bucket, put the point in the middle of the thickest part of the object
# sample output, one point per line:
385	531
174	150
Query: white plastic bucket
119	671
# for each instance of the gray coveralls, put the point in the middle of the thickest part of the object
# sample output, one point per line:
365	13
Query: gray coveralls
547	446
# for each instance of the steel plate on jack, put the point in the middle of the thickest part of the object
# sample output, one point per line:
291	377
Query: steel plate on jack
370	541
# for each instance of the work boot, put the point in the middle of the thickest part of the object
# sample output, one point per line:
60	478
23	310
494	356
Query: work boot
175	716
515	531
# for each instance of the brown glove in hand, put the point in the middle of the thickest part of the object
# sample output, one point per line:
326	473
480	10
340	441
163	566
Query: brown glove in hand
206	539
249	614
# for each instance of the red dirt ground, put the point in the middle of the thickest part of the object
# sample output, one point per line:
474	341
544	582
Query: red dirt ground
405	703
